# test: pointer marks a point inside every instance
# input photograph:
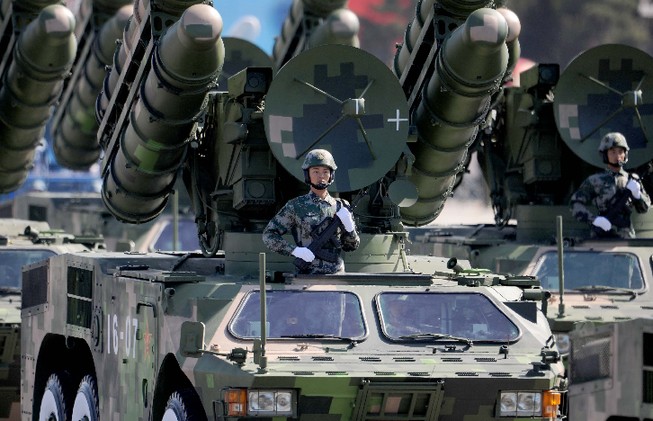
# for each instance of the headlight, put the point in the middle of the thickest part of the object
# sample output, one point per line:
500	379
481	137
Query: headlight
241	402
270	402
520	404
508	404
563	342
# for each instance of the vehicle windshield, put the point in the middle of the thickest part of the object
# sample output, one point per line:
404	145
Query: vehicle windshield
301	314
428	315
586	269
12	262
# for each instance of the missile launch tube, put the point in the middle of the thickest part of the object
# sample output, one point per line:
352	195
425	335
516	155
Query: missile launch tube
340	27
75	143
470	66
303	17
186	64
323	8
35	6
411	35
512	41
43	57
463	8
119	59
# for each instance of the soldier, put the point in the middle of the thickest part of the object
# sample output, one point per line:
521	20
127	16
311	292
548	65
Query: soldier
614	192
307	216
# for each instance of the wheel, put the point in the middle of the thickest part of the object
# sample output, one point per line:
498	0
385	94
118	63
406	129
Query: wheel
85	407
53	402
184	406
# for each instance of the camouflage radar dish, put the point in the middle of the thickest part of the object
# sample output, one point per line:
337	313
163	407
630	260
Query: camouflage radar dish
239	54
606	89
342	99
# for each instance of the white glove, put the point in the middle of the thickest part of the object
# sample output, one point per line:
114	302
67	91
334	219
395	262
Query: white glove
345	217
602	222
303	253
635	188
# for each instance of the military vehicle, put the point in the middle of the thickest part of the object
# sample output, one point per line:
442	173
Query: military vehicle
23	242
540	144
232	332
84	213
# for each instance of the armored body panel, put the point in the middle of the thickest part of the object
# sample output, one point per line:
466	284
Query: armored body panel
22	243
172	331
611	370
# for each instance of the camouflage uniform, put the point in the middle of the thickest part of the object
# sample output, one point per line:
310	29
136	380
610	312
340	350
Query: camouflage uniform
599	189
300	216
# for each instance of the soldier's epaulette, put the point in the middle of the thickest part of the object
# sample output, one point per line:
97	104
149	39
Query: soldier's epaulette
634	175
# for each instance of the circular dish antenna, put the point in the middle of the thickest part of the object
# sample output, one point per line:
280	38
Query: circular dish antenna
341	99
240	54
607	89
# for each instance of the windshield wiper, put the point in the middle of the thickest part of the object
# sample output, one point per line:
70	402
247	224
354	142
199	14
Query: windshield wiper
437	336
317	336
605	288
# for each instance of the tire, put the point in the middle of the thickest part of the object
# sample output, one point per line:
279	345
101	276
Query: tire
85	407
184	406
53	402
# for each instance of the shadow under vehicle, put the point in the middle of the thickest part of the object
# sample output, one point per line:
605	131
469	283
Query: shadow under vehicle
231	333
541	144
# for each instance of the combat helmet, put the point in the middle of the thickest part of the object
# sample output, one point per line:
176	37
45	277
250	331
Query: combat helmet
316	158
611	140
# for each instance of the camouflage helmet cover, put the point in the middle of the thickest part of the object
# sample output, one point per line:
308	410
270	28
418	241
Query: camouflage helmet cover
319	157
611	140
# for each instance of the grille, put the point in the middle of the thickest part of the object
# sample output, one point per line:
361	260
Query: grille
591	357
405	401
35	286
80	297
284	358
370	359
647	375
647	395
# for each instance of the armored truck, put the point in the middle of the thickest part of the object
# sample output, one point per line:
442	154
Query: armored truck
233	332
169	336
22	243
542	142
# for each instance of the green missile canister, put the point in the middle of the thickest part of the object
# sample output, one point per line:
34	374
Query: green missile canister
340	27
186	64
42	58
469	68
75	143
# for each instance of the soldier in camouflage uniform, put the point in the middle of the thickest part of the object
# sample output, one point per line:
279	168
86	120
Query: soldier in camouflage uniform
311	213
614	192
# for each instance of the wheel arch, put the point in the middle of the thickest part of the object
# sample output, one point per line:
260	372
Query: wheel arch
171	378
63	355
